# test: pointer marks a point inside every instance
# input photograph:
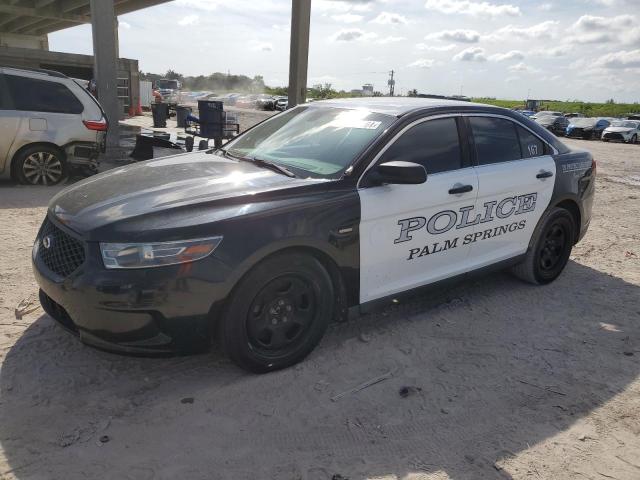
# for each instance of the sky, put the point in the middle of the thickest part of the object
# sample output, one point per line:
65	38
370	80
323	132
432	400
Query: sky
564	50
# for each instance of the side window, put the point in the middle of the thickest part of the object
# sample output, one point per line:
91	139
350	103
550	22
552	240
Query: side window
5	101
33	95
495	140
531	145
434	144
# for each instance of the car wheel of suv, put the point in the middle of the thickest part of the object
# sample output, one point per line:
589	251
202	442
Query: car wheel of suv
550	250
634	139
278	313
41	165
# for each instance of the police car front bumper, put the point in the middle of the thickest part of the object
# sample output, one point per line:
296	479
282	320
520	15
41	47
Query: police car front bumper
140	311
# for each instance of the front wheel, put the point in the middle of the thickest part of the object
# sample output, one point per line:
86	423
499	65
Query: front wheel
550	250
278	313
634	139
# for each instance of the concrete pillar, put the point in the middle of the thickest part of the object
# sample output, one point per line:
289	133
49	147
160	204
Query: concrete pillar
299	52
105	51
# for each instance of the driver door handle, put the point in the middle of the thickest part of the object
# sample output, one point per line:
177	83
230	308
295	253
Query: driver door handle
458	189
544	174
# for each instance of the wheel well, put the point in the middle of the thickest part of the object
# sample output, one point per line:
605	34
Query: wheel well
574	210
29	145
218	308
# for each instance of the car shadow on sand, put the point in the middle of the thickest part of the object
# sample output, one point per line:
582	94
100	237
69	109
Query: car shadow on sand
492	367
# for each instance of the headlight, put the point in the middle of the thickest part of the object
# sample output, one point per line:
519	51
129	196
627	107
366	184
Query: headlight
145	255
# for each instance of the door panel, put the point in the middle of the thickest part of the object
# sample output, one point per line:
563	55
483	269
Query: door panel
515	199
412	235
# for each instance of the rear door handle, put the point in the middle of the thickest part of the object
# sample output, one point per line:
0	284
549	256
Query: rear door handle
544	174
458	189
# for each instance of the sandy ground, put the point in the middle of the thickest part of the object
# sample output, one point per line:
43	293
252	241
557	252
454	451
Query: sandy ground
507	380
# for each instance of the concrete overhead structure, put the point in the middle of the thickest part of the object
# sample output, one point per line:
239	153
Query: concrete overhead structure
299	51
25	24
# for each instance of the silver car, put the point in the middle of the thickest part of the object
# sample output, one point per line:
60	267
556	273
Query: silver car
48	125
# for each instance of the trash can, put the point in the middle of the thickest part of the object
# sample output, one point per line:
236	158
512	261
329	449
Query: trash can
182	112
211	115
160	112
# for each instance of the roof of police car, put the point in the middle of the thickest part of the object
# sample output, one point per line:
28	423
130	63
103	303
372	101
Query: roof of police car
396	106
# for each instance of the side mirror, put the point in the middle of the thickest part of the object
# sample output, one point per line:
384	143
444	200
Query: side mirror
397	173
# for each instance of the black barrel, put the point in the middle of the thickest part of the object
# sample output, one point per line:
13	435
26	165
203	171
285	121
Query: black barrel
211	115
182	112
160	112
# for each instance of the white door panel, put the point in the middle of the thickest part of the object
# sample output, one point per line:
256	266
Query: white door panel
411	235
515	200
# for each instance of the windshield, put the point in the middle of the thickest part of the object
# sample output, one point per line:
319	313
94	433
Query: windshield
168	84
624	124
317	142
584	122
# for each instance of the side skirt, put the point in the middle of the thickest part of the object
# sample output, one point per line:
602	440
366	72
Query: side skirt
381	303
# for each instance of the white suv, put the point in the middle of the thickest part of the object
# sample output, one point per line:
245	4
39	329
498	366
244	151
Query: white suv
48	124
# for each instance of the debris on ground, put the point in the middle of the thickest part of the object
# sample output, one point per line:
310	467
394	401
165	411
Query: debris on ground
362	386
25	307
404	392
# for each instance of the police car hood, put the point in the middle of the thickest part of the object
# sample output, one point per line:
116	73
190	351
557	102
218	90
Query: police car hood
169	188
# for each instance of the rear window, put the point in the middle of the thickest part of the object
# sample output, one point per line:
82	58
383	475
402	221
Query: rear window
33	95
495	140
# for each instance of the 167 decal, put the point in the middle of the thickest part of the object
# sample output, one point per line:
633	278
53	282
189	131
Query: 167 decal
445	220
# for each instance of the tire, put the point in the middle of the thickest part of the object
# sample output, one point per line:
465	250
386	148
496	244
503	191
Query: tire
40	165
634	139
549	252
278	313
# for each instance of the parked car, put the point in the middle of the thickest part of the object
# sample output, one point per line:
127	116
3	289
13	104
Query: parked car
573	115
230	99
587	128
49	124
556	123
282	103
545	113
266	102
246	101
622	130
322	208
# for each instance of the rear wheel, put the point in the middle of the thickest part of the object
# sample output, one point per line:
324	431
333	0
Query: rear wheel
550	250
278	313
40	165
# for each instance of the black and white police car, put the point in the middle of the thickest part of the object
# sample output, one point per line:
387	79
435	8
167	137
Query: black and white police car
318	209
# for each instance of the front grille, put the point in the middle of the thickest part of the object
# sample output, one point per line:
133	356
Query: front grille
60	252
613	136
